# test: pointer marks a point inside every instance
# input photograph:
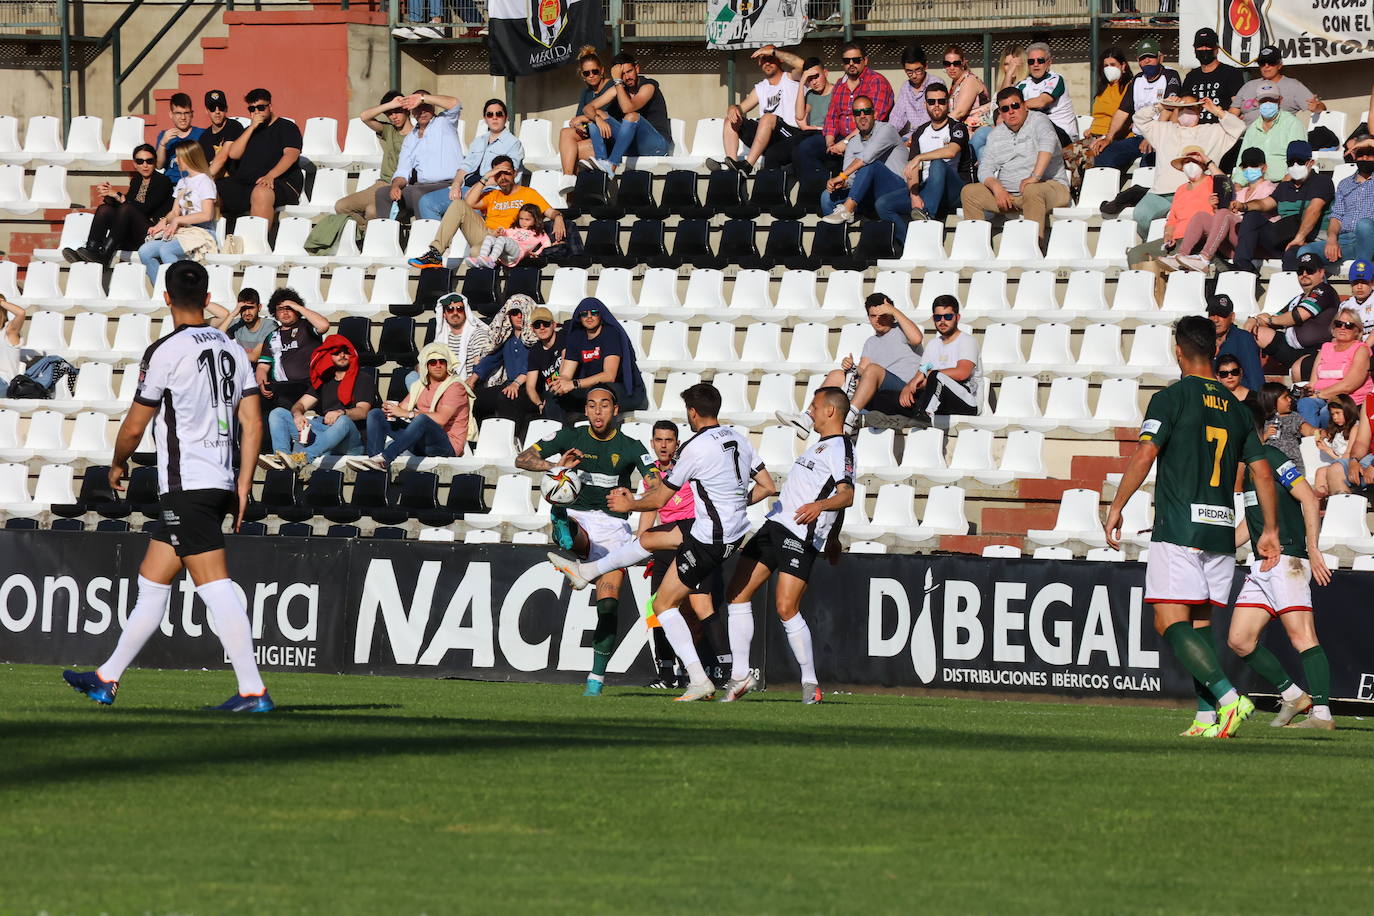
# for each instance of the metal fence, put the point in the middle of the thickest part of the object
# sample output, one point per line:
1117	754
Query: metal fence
29	17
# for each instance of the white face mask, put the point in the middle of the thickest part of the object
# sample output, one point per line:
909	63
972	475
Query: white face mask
1192	170
1188	118
1298	172
1111	73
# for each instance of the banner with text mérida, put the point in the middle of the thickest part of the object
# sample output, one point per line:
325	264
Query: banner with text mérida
1304	31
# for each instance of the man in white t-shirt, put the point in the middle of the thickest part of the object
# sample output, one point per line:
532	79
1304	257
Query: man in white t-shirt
1362	296
775	96
11	360
1047	92
949	377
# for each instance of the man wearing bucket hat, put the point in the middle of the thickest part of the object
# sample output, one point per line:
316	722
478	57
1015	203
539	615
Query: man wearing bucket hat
1170	126
1272	131
1154	82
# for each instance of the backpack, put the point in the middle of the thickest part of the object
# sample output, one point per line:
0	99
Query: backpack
22	387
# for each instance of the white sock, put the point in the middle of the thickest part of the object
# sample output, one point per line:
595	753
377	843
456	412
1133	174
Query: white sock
625	555
1321	712
144	620
680	638
741	624
235	633
799	638
1291	692
1206	718
1227	698
596	677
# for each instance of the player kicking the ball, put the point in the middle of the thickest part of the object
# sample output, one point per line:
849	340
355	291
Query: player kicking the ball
605	458
193	385
1285	592
1199	433
727	476
802	523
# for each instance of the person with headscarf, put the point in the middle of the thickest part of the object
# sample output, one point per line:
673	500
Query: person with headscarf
465	334
596	351
431	422
340	398
499	377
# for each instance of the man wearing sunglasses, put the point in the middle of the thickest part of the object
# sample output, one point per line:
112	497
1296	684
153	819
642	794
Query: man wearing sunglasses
1047	92
1154	82
223	131
1282	224
1021	169
817	157
643	129
775	96
267	173
874	157
499	140
1237	343
941	159
1293	335
389	120
948	380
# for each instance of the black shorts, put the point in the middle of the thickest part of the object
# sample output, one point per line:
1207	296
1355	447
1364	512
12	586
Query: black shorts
696	561
1281	351
663	561
236	195
782	132
192	521
781	550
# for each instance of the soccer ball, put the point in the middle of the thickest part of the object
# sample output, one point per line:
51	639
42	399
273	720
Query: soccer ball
560	486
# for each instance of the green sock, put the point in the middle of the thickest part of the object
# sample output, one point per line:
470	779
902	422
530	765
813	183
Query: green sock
1263	663
1198	656
603	637
1318	671
1206	703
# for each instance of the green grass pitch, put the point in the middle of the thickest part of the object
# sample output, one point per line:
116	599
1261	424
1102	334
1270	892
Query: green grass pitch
391	795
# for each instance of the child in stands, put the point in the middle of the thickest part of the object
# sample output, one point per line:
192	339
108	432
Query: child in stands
510	246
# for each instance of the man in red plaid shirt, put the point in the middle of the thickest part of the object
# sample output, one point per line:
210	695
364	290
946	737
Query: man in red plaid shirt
819	155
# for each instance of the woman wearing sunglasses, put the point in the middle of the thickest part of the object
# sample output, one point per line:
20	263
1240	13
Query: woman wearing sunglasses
965	89
122	220
1231	375
1342	369
573	142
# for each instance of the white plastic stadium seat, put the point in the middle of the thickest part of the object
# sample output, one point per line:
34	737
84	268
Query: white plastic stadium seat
569	287
85	143
1346	523
924	247
76	227
999	551
1099	186
320	139
1079	520
361	149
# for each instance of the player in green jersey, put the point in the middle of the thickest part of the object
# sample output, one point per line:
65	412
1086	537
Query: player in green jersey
1285	592
1200	434
606	459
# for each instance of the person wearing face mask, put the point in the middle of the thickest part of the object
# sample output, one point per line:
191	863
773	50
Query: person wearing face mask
1350	227
1272	131
1154	82
1280	225
1116	76
1170	126
1211	79
1194	199
1210	234
1294	96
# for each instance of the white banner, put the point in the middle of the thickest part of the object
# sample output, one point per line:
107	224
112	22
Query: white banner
738	24
1304	31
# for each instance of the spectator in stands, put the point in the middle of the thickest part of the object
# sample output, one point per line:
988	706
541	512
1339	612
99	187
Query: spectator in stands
491	205
1342	368
874	158
1235	343
1193	201
11	357
574	141
1272	131
498	379
544	360
267	174
1230	373
775	129
415	14
247	324
1283	428
1337	441
1154	82
508	247
966	90
222	132
889	360
466	336
169	138
1294	96
1047	92
1116	76
1171	125
340	397
948	380
596	353
430	422
941	159
1211	233
1293	335
1350	226
498	141
1211	79
122	220
189	229
813	105
1280	225
644	128
390	121
429	154
818	156
283	367
909	105
1021	169
1362	296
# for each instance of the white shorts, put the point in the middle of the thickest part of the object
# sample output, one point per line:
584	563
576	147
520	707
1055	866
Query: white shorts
604	532
1187	575
1286	587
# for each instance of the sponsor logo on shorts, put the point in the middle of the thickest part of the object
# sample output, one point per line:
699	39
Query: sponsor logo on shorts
791	543
1214	515
1251	499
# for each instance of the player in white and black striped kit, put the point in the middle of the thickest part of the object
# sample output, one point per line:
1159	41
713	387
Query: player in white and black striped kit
196	386
727	476
804	522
